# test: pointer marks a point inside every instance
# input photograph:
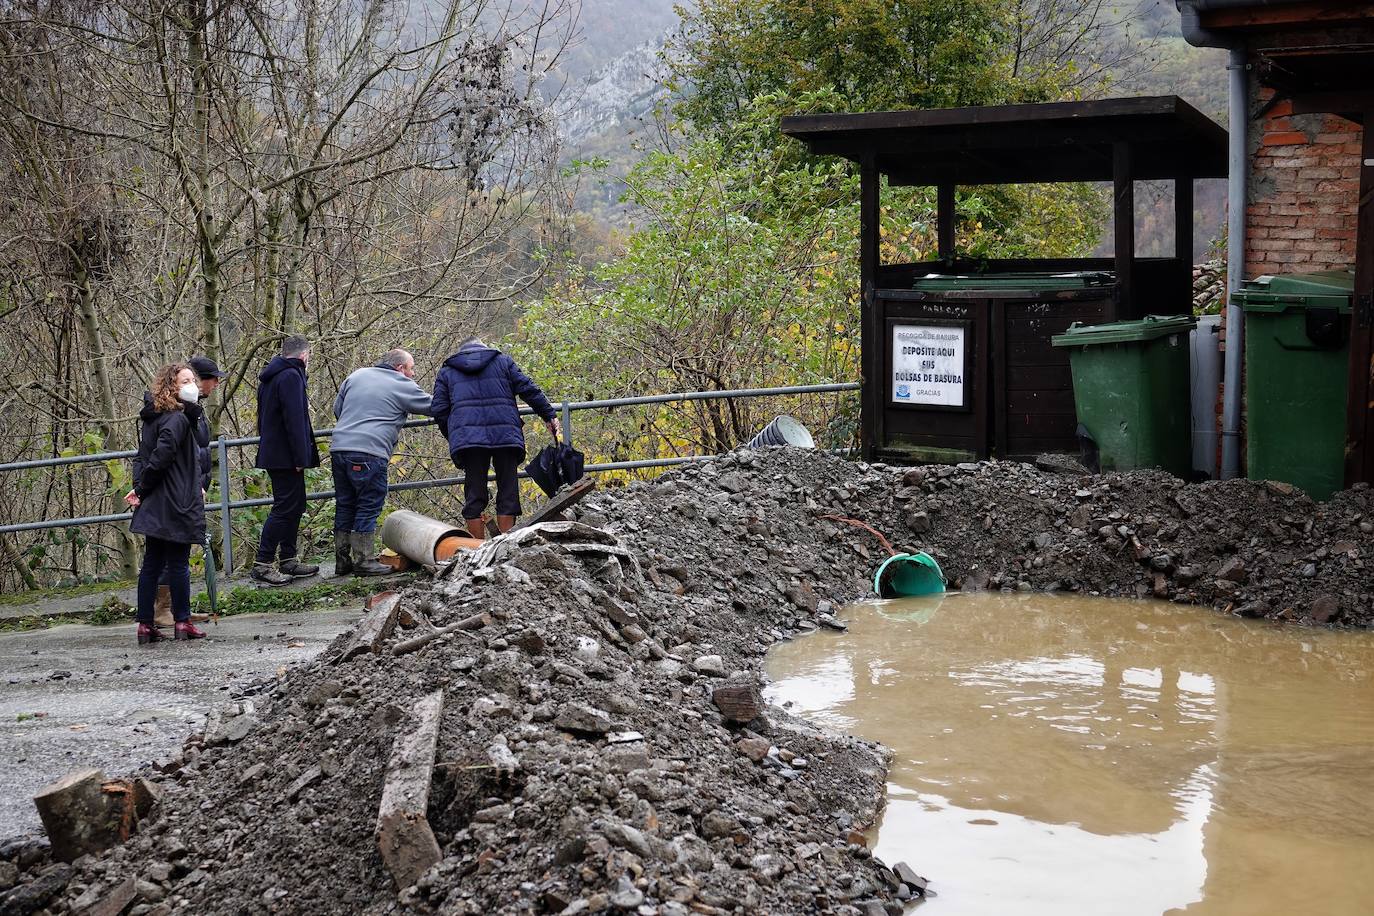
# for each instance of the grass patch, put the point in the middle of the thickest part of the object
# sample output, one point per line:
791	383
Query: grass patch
70	591
247	599
238	600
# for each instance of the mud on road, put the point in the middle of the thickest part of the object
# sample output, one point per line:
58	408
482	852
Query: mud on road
583	765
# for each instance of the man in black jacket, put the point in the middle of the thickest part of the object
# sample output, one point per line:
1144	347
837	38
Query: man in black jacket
287	449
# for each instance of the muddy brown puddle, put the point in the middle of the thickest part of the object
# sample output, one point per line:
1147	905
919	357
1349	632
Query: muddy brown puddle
1064	755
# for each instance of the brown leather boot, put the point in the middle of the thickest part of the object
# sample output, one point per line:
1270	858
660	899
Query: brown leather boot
476	529
505	522
162	607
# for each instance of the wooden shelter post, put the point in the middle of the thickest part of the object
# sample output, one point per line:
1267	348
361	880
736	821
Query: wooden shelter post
944	222
1183	219
870	334
1123	225
1359	457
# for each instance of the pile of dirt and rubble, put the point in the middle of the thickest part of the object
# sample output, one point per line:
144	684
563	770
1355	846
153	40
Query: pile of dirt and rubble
590	694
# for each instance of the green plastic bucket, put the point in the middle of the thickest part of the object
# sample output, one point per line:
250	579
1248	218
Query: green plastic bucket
908	575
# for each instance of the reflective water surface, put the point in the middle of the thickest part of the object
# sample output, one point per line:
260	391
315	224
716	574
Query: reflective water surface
1083	756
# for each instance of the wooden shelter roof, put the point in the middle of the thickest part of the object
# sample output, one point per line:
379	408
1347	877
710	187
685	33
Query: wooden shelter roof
1011	144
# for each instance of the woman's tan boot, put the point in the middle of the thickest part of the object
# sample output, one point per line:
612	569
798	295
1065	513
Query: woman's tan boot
476	529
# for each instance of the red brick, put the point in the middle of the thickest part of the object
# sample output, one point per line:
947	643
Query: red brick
1320	172
1328	137
1294	233
1339	186
1257	219
1320	221
1285	138
1345	235
1277	124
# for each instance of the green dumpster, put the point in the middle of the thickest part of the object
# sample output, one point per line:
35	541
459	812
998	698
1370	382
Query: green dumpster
1131	391
1296	355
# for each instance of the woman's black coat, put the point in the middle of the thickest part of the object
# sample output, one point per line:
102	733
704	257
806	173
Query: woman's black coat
167	477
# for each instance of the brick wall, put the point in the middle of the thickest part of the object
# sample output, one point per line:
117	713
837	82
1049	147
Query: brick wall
1304	192
1302	201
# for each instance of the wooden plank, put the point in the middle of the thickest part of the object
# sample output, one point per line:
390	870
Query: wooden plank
1183	221
1300	14
475	622
1040	378
373	630
995	402
565	498
944	220
404	837
870	336
1359	456
1040	401
1350	104
1123	228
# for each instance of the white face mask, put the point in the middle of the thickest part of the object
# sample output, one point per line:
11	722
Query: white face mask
190	392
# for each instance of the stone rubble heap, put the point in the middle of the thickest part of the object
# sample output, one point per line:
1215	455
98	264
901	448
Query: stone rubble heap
582	701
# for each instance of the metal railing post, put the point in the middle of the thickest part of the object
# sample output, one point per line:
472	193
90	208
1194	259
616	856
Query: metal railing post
224	518
567	423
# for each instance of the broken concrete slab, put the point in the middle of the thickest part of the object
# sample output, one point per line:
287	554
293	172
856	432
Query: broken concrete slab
404	837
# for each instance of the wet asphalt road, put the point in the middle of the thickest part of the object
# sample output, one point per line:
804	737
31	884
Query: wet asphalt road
113	704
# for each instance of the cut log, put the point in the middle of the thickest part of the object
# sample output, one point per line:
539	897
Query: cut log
373	630
404	836
80	816
738	702
475	622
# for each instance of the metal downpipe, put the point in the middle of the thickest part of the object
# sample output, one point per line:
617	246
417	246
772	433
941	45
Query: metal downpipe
1238	179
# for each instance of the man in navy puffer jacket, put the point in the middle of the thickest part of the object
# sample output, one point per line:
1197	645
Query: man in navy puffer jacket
474	404
287	449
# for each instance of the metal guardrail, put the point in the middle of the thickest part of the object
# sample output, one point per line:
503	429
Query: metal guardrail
225	505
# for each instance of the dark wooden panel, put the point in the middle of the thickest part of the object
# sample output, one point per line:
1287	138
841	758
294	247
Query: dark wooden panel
1035	353
1039	401
1026	425
1034	378
936	433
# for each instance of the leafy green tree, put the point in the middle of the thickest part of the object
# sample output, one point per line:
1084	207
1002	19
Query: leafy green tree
726	283
871	55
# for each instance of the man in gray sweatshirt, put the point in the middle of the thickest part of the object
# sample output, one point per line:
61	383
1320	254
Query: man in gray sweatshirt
371	407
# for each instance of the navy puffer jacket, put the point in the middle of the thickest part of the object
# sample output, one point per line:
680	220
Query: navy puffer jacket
288	439
167	476
474	400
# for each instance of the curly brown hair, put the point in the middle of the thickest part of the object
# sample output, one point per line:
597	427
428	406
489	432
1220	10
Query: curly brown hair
164	388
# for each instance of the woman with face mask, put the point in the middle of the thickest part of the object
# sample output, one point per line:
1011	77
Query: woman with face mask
169	504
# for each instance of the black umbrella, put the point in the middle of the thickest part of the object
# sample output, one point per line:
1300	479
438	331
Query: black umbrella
557	465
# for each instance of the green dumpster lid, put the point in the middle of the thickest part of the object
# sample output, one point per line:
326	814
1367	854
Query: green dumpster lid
1083	279
1150	327
1323	289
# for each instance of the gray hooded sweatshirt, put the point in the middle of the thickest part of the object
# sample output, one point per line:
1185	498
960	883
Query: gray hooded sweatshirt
370	408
